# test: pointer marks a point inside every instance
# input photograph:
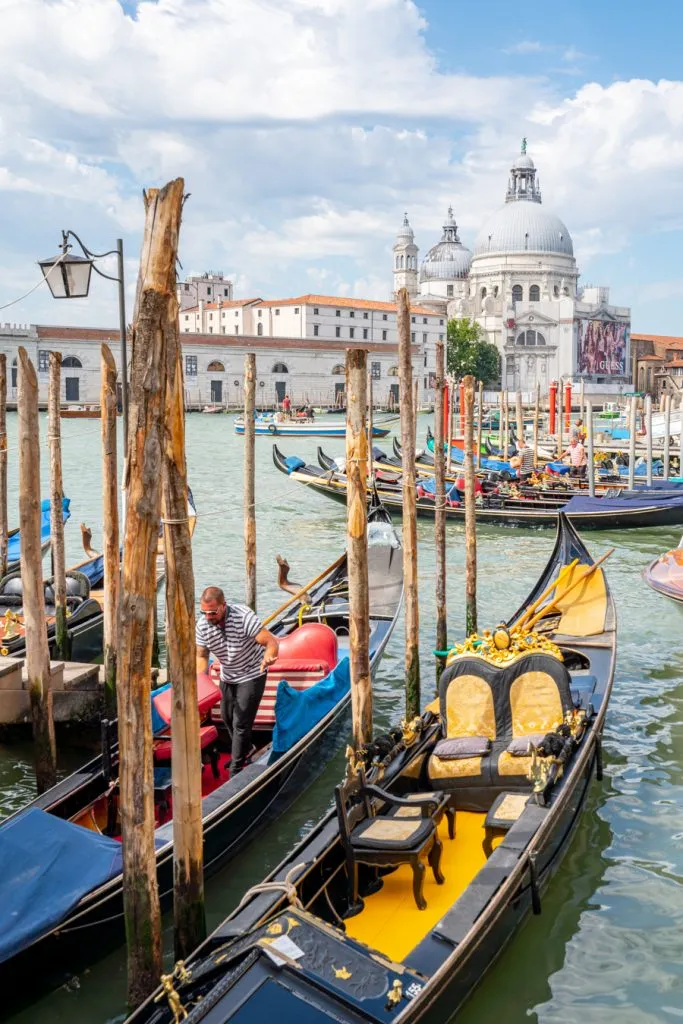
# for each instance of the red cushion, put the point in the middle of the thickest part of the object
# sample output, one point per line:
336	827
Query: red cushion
299	673
208	734
313	641
208	694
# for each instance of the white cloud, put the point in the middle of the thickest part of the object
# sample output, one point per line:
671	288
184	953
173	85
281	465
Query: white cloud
526	46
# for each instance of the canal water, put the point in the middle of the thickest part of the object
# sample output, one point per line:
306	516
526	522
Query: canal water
608	946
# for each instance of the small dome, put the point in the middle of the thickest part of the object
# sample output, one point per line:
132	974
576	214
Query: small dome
524	227
523	162
448	260
405	234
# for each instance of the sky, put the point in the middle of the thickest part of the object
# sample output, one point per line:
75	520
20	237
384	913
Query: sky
305	128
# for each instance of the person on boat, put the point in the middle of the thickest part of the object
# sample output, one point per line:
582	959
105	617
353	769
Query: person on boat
580	431
526	464
577	456
287	406
244	649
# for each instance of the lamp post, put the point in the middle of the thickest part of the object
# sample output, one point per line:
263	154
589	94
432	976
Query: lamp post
68	277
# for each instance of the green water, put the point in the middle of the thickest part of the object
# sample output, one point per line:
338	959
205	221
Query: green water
608	946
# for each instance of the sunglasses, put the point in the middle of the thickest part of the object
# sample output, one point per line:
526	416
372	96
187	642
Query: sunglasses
209	613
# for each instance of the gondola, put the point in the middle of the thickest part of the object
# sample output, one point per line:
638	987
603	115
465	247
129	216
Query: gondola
487	785
304	427
60	860
14	536
634	509
665	575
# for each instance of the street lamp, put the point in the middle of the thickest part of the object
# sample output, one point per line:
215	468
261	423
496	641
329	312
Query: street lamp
68	277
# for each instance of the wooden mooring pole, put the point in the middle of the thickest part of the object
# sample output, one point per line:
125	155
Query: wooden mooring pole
110	523
152	322
667	435
449	439
357	544
589	439
440	513
186	765
519	409
409	491
470	515
480	417
250	478
56	500
4	528
37	651
537	416
648	439
633	419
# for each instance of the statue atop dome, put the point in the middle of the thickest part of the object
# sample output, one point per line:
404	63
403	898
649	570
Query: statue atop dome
523	183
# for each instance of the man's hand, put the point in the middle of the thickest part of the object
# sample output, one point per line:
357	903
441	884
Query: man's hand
266	639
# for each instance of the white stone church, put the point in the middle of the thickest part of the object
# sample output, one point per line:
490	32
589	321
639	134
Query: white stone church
520	283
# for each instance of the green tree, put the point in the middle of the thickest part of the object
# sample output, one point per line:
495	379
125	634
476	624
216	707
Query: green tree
468	351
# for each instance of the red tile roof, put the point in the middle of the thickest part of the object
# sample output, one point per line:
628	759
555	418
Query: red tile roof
77	333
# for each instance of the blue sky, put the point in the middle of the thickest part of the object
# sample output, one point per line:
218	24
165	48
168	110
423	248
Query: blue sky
304	129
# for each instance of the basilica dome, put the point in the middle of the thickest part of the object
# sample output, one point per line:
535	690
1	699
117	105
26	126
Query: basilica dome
448	260
522	225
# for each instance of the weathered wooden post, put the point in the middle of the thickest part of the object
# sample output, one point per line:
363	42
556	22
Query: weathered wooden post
667	434
582	400
56	502
4	529
37	652
537	416
110	523
440	513
479	422
648	438
470	515
357	543
409	488
250	478
371	462
589	439
416	405
152	321
680	438
632	443
520	416
186	765
451	411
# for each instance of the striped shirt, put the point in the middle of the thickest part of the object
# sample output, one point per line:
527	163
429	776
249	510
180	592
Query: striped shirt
577	454
526	454
232	642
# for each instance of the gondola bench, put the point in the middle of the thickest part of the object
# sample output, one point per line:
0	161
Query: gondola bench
399	836
490	714
208	697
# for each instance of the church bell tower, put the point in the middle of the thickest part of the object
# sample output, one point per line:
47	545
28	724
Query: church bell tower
405	260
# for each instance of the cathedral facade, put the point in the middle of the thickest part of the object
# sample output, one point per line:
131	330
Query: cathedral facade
520	283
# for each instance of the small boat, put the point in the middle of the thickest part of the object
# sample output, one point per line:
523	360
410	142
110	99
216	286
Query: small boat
305	427
80	412
487	786
60	857
213	408
665	574
630	510
14	536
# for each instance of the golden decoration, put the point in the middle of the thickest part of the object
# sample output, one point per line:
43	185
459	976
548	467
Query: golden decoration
342	973
293	923
492	647
411	730
275	928
395	994
181	975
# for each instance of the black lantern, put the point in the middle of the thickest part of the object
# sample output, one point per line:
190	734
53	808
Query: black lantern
67	275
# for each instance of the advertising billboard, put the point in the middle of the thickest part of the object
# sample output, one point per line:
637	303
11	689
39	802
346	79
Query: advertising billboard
602	348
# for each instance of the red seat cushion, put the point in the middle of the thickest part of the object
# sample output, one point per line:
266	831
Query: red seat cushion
208	734
312	641
299	673
208	695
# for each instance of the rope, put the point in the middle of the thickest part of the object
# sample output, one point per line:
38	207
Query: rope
286	886
43	280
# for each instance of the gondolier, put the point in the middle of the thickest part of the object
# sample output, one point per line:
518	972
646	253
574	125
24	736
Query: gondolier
244	649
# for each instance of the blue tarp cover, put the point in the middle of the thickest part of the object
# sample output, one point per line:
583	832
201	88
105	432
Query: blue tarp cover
47	865
293	462
650	499
14	543
94	570
297	711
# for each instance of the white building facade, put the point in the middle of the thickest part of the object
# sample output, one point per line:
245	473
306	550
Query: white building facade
520	283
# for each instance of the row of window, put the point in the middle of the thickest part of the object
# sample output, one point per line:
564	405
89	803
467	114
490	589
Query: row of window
316	312
216	366
69	362
410	263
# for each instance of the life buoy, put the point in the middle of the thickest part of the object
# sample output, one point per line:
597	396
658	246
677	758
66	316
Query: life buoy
272	429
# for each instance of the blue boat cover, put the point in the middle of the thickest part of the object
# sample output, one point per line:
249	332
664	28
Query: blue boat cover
297	711
47	865
14	542
293	462
635	500
94	570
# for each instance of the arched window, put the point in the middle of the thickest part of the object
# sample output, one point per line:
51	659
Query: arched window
392	371
530	339
517	294
397	261
72	361
534	293
279	368
259	329
556	291
495	291
401	263
483	293
215	367
338	370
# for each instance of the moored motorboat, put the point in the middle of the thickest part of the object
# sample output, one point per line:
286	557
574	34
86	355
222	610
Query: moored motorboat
306	427
665	574
486	786
60	856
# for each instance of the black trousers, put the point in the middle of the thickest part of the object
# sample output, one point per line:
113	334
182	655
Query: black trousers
239	704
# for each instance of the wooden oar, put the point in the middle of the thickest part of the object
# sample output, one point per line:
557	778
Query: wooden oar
548	590
300	593
581	579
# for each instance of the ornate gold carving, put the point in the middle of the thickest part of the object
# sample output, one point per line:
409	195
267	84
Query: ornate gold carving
342	973
395	994
181	975
274	929
503	646
411	730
